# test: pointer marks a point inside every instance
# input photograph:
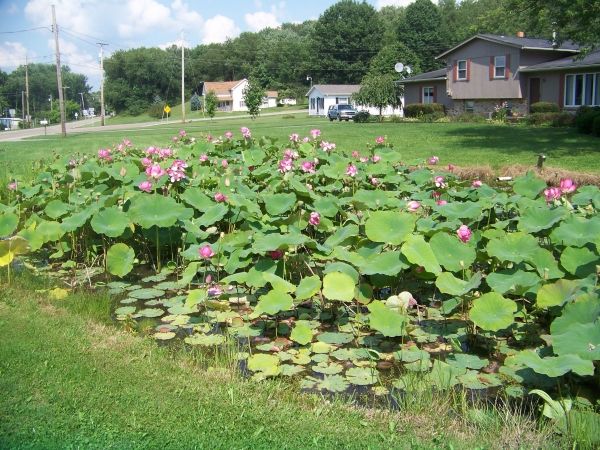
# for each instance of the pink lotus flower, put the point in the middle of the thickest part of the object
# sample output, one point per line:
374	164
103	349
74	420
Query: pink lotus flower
364	159
315	133
206	252
433	160
177	170
146	162
145	186
12	186
214	291
289	153
175	138
351	170
165	153
220	197
327	146
151	151
203	157
104	154
182	133
276	254
552	193
355	154
209	138
476	183
567	185
315	218
127	143
308	167
228	135
375	181
441	202
439	182
375	158
246	132
285	165
294	137
224	163
120	148
464	233
305	140
413	206
155	171
379	140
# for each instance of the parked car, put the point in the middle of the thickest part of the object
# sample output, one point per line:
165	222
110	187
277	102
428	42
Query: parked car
341	112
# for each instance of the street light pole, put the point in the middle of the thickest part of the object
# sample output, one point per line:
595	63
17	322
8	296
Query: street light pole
82	102
102	44
308	77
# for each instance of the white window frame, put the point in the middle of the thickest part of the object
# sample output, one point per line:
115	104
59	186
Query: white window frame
430	92
458	70
498	66
595	77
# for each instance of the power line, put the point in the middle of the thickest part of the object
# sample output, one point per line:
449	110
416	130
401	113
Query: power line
25	30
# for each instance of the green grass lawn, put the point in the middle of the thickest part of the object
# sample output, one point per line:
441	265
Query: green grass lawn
68	380
456	143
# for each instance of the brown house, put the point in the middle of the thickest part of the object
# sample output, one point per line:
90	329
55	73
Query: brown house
487	70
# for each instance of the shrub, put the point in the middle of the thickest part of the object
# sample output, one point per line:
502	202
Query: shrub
563	119
596	126
584	119
396	119
432	117
468	118
362	116
555	119
417	109
156	110
544	107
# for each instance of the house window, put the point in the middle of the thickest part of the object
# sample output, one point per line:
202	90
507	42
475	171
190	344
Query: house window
499	66
461	69
469	106
582	89
427	95
341	100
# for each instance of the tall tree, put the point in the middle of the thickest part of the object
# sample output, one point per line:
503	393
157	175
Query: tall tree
421	30
378	91
390	17
388	56
346	37
253	96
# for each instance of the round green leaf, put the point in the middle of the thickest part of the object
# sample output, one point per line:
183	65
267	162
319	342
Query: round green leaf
155	210
267	364
386	263
119	259
302	333
338	286
541	218
390	227
451	252
417	251
8	223
110	222
514	247
493	312
449	284
556	294
56	208
362	376
308	287
580	262
388	322
277	204
273	302
576	231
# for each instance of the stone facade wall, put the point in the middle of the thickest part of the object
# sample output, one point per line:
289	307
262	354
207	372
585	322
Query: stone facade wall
485	107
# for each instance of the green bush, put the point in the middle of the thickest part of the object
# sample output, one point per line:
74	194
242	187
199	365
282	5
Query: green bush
156	110
396	119
432	117
555	119
468	118
418	109
362	117
596	126
584	119
544	107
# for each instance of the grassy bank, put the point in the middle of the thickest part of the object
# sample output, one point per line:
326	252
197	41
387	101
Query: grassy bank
456	143
70	380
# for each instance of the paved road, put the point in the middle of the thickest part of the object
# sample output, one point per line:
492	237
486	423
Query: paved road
93	125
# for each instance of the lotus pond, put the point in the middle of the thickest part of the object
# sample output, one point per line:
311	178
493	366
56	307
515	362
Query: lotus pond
339	267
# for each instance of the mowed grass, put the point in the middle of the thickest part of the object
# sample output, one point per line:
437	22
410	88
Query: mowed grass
69	380
457	143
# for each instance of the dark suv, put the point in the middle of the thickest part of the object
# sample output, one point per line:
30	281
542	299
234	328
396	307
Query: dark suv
341	112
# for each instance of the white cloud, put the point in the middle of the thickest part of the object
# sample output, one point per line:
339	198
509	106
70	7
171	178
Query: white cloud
176	43
12	54
261	20
142	16
218	29
186	17
78	61
72	14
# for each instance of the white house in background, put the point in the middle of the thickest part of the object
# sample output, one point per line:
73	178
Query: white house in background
230	94
269	100
322	96
288	101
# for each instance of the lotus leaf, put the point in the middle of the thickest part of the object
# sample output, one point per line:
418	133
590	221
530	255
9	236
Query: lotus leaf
327	206
451	253
331	383
449	284
335	338
386	321
119	260
411	355
516	282
301	333
308	287
475	380
341	235
528	185
467	361
76	220
150	312
556	294
577	330
545	264
164	335
56	208
269	365
540	218
197	198
555	366
146	293
212	215
327	369
289	370
386	263
389	227
125	310
279	283
344	268
268	242
417	251
443	375
515	247
274	302
576	231
194	297
111	222
321	347
362	376
338	286
493	312
580	262
154	210
206	340
8	223
553	409
277	204
460	210
11	247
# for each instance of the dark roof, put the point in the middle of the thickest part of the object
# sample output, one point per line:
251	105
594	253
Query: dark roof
335	89
572	62
523	43
434	75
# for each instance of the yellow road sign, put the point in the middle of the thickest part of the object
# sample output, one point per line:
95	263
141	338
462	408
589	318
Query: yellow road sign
167	109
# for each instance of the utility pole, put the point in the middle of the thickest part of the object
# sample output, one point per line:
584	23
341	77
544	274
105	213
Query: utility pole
82	102
101	44
27	87
182	82
61	101
23	105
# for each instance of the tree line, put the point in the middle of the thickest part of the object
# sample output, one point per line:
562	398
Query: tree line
350	43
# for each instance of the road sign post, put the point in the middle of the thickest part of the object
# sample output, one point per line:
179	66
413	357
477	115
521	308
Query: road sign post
167	110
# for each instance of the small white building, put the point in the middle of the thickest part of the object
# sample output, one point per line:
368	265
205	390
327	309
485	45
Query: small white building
269	100
288	101
230	94
322	96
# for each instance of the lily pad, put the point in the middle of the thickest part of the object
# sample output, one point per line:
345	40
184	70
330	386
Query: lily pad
269	365
205	340
125	310
150	312
335	338
301	333
146	293
389	227
338	286
274	302
388	322
119	259
362	376
417	251
493	312
111	222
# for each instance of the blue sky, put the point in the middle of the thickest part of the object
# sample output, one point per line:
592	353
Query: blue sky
134	23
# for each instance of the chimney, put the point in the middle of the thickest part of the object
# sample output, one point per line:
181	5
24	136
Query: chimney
520	34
